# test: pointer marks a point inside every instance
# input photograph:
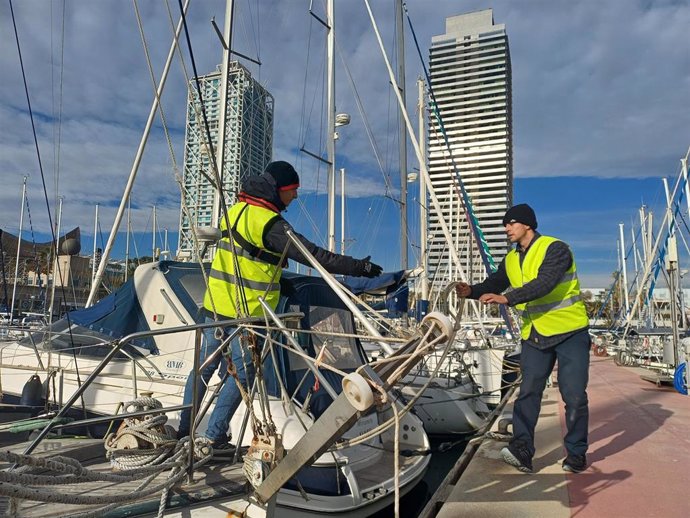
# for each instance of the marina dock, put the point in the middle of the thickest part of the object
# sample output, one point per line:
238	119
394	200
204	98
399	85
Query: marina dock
638	458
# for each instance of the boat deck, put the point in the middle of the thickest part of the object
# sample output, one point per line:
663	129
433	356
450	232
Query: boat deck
213	481
639	457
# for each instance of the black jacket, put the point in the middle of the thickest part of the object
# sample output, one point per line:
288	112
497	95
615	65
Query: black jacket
275	236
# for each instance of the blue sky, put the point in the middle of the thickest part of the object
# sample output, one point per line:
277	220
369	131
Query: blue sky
601	97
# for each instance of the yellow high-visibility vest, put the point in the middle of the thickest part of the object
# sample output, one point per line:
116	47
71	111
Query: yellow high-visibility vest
235	294
559	311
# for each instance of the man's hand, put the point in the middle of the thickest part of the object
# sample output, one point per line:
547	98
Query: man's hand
463	290
492	298
369	269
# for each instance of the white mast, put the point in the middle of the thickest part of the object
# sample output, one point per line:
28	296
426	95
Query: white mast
19	246
625	269
423	173
95	235
220	146
57	271
129	228
330	132
153	244
342	211
402	134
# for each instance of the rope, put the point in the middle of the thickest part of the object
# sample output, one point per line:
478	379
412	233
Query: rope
18	484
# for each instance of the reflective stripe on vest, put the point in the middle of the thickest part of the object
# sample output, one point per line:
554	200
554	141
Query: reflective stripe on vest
233	293
559	311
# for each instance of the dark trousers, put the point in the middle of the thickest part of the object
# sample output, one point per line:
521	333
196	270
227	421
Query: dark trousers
573	374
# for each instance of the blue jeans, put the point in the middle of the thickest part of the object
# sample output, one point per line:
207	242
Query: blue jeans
229	397
573	374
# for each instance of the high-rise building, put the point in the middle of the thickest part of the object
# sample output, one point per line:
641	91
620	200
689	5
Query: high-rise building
471	79
248	146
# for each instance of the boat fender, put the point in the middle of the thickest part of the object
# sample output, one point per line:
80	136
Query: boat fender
32	392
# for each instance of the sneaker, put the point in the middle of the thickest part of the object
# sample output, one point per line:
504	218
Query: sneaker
575	463
517	455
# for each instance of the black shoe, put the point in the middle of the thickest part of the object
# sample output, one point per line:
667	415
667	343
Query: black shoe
517	455
575	463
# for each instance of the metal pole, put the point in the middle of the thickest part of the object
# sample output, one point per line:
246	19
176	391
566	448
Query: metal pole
402	133
129	228
330	136
57	271
342	211
19	247
625	269
220	146
135	165
153	244
423	173
95	236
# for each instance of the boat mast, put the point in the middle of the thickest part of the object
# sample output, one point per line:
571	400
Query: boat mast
342	210
153	244
330	107
19	246
625	269
423	173
402	133
129	229
95	235
135	166
220	146
57	271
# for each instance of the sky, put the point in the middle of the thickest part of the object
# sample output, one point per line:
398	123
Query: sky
601	111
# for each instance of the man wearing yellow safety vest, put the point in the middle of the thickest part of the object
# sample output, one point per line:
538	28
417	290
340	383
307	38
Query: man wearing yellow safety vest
541	274
259	237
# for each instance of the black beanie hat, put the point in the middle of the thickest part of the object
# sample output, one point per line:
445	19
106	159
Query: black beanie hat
284	174
521	213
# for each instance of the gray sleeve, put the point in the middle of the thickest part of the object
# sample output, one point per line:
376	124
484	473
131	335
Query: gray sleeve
276	239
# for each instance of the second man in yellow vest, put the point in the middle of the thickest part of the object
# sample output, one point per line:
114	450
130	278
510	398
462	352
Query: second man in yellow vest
541	278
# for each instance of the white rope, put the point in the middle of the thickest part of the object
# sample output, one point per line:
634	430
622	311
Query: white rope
17	485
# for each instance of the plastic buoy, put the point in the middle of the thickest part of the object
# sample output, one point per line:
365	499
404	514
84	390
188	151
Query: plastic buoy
32	392
358	391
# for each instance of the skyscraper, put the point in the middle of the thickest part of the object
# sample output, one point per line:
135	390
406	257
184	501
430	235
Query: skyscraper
248	146
471	79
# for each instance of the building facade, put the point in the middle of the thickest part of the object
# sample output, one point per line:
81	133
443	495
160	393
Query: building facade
471	80
248	147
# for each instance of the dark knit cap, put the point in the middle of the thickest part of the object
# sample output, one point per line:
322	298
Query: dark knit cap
521	213
284	174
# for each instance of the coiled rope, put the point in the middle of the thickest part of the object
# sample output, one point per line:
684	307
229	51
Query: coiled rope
20	484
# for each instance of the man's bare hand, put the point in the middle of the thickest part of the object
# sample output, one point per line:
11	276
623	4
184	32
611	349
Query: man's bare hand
492	298
463	290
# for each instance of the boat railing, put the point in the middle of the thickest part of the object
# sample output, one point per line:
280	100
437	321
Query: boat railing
117	345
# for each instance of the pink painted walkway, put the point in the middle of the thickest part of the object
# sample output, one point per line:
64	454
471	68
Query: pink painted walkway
639	459
639	448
